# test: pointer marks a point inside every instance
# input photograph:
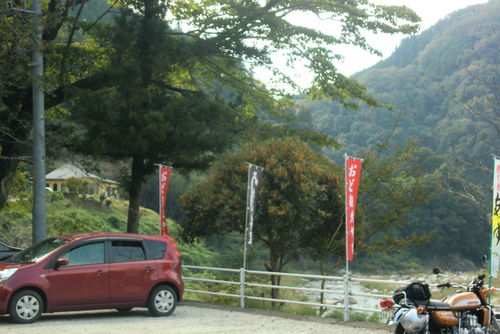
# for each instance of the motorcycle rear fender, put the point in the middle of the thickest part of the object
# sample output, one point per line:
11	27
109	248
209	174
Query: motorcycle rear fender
398	315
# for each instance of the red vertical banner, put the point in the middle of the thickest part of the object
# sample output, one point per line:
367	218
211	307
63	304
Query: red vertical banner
164	178
353	169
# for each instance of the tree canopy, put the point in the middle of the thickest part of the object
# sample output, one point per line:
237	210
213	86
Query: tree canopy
158	49
300	198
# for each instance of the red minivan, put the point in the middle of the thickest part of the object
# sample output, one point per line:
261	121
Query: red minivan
88	271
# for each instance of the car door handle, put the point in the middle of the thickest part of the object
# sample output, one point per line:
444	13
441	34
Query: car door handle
99	272
150	269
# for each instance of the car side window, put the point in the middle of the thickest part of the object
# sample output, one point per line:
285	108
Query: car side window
127	251
156	248
90	253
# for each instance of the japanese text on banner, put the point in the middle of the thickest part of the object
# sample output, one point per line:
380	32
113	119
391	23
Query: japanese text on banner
353	169
164	178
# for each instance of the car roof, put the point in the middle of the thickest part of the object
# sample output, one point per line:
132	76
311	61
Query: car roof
89	235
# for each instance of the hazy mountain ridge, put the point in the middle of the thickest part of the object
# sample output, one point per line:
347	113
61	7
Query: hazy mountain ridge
419	79
427	80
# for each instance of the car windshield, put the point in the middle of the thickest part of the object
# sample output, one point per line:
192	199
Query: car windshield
38	251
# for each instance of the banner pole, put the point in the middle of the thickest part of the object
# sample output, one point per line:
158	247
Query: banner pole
242	273
159	196
246	222
346	278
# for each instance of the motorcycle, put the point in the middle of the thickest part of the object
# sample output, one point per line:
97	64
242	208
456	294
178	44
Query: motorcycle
462	312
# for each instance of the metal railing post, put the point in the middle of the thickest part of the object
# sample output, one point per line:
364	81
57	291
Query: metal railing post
242	287
346	297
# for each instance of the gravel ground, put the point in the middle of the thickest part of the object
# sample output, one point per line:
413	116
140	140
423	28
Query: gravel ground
189	317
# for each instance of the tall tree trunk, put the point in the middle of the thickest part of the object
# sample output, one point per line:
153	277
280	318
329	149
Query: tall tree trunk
8	168
274	266
135	196
13	143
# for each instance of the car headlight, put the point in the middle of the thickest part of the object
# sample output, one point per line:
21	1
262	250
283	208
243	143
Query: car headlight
6	273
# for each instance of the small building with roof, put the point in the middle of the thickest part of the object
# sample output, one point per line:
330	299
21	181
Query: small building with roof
97	185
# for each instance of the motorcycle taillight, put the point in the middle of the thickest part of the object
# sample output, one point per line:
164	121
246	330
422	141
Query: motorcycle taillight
386	303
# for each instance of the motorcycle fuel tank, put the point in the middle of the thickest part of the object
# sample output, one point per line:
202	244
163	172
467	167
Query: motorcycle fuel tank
463	301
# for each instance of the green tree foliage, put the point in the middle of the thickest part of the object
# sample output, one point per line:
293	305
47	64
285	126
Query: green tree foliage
139	118
299	199
77	187
179	184
390	189
15	227
212	41
162	84
66	64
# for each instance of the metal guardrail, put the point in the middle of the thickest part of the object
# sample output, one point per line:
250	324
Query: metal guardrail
244	282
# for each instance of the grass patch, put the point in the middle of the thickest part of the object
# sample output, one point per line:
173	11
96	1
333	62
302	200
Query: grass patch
262	292
374	317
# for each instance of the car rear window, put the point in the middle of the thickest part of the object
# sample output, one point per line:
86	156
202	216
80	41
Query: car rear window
127	251
157	248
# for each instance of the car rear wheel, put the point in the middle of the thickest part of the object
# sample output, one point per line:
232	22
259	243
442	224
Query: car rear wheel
25	307
162	301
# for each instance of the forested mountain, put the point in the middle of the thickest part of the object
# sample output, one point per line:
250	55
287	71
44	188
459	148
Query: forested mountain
428	79
419	79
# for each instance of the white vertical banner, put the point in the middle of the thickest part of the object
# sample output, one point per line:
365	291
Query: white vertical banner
495	221
253	187
254	180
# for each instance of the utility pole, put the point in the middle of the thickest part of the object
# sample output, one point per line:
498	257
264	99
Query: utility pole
39	191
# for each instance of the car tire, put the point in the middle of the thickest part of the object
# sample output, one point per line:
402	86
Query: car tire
25	307
162	301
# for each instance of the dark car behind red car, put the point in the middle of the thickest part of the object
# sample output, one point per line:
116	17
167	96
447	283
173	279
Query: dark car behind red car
7	251
92	271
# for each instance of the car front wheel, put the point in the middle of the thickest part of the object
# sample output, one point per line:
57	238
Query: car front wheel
25	307
162	301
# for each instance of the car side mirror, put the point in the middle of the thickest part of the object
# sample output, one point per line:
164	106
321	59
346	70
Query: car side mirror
61	262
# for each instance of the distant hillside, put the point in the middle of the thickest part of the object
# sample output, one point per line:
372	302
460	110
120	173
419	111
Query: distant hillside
418	79
424	79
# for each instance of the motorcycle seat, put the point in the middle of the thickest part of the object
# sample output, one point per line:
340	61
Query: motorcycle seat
433	305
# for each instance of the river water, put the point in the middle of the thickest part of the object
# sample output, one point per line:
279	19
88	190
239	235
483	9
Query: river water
337	299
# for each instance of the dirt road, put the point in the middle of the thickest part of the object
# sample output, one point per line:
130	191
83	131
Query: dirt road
189	317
